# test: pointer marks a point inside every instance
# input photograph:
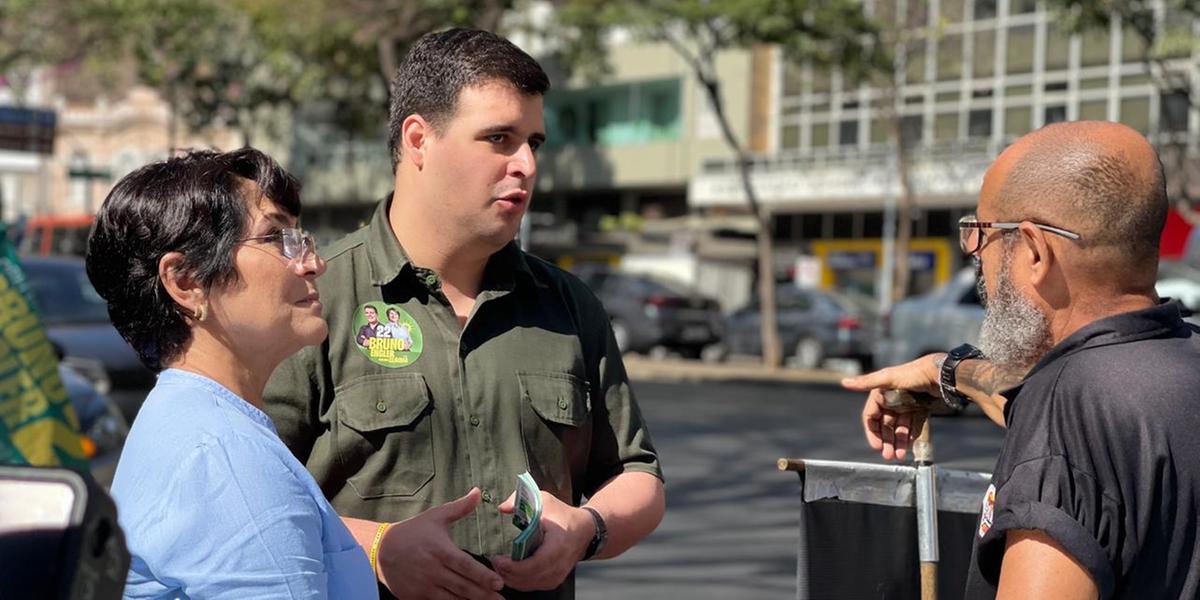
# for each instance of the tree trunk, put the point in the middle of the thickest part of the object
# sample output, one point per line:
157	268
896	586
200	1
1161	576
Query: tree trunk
771	350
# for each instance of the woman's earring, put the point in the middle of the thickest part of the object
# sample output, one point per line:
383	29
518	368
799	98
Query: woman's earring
200	312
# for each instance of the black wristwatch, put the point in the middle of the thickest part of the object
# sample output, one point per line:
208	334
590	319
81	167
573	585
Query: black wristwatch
946	379
597	543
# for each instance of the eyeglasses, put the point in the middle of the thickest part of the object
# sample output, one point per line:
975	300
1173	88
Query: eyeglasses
296	245
972	240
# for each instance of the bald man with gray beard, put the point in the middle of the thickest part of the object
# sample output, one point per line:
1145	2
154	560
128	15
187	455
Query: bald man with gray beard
1096	492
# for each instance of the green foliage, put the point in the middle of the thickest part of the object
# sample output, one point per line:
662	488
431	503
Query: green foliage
826	32
1077	16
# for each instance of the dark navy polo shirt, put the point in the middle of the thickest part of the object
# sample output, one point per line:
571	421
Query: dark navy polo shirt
1102	453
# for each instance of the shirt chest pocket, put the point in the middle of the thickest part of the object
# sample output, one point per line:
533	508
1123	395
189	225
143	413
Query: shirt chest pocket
385	440
556	428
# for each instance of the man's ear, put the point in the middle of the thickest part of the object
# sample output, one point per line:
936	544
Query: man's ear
183	289
1039	254
415	132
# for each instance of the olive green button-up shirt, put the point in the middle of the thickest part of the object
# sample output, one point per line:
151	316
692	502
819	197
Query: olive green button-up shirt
410	412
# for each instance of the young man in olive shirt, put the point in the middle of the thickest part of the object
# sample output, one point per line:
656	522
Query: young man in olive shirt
512	365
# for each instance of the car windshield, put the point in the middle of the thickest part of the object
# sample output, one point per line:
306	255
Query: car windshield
663	287
64	294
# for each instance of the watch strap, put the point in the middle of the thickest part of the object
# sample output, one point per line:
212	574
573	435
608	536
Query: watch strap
947	377
601	536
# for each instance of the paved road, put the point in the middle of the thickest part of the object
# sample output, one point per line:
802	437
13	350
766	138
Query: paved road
731	525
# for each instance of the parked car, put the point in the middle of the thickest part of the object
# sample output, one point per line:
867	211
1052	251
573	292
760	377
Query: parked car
951	315
101	421
814	325
649	312
76	319
936	321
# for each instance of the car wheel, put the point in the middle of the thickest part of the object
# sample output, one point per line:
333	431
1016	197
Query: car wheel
809	354
714	353
621	332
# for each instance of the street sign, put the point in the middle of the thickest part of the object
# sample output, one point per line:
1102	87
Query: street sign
27	129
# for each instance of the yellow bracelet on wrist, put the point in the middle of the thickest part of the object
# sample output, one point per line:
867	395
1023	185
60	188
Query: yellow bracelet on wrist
374	554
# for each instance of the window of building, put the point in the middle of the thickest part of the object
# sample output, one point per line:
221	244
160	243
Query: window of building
985	9
1058	48
939	223
820	81
945	127
1173	113
1055	86
1094	48
880	130
918	14
820	135
793	79
979	124
1054	114
789	137
1016	7
872	226
1133	49
848	133
951	10
1177	40
1135	112
616	115
950	57
812	226
1017	121
1093	110
843	225
1018	91
984	62
1094	83
911	130
951	96
1020	50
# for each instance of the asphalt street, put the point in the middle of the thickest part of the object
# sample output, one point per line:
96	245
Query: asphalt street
731	524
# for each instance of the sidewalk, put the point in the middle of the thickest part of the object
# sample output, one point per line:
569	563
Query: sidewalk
670	370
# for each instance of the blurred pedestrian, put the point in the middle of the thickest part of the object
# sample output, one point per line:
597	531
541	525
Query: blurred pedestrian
512	364
1097	489
209	279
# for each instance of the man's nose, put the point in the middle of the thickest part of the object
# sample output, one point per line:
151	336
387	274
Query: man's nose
523	163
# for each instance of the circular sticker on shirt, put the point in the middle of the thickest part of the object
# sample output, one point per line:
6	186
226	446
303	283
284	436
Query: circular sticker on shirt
387	335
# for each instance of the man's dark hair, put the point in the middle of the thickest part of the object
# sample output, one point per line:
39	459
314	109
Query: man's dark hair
196	204
441	64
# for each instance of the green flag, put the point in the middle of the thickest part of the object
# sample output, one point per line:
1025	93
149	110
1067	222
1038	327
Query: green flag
37	424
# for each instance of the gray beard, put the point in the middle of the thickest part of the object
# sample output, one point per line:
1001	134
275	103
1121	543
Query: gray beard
1015	333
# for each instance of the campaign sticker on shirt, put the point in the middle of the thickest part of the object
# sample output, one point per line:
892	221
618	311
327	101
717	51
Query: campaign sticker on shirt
989	507
387	335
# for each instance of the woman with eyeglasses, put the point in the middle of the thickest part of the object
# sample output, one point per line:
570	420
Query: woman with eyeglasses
209	279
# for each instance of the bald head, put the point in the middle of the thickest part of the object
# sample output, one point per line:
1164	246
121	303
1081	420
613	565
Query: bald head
1099	179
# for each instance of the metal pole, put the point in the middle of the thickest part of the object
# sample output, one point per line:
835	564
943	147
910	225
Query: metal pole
887	269
926	486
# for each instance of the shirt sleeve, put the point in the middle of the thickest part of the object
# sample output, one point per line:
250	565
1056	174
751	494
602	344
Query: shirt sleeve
1069	505
238	524
620	439
293	398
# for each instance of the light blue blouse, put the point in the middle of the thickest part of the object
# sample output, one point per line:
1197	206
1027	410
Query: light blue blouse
213	505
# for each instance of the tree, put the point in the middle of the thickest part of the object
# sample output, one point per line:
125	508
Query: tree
1161	38
38	33
823	32
390	26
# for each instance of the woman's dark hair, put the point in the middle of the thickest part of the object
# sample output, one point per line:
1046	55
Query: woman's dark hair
195	204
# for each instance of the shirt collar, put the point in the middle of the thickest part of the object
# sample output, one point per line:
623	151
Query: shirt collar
1160	319
388	258
224	395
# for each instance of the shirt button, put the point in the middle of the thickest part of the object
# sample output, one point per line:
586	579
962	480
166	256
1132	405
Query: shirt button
381	406
563	404
487	497
475	421
430	280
